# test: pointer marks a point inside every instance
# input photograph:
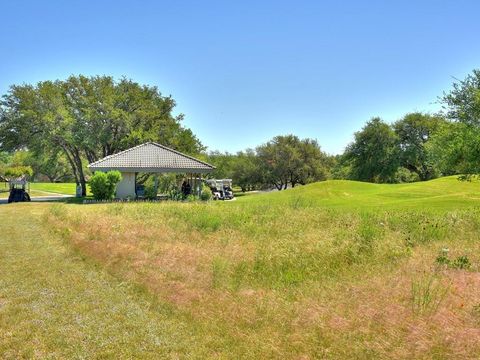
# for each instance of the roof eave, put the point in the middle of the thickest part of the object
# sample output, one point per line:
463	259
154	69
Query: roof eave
152	170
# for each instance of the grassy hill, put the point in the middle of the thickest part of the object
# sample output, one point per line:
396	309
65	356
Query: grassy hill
444	193
336	269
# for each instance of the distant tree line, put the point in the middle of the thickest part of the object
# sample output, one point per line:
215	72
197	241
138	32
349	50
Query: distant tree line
281	162
55	128
420	146
417	147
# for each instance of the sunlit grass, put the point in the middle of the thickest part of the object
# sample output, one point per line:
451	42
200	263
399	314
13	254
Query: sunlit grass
330	270
59	188
46	189
5	194
443	193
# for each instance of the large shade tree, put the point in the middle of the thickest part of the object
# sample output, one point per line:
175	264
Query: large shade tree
247	170
86	118
290	160
462	102
373	155
414	131
455	149
457	146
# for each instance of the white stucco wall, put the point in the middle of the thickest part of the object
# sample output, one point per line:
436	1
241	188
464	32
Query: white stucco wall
126	187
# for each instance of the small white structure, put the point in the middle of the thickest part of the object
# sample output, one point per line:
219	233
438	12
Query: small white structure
148	158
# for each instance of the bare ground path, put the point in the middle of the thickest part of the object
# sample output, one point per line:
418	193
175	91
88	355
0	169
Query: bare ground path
54	304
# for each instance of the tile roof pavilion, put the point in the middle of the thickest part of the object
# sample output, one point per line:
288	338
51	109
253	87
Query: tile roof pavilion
151	157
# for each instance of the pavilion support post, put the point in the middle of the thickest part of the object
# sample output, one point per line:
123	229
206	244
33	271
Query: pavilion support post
135	185
191	183
156	185
196	185
199	185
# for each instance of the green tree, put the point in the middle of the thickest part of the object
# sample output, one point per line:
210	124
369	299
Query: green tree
341	168
462	102
89	118
53	166
457	146
13	172
5	159
374	154
247	172
289	160
455	149
224	164
413	132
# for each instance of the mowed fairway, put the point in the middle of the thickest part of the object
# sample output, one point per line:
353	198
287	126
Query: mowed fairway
56	304
331	270
44	189
58	188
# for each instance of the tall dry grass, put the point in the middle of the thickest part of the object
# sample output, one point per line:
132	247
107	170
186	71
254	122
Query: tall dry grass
295	280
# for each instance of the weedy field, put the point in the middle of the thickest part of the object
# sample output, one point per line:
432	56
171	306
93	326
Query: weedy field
336	269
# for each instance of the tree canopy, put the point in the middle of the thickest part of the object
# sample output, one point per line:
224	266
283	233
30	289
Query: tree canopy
290	160
86	118
374	155
55	128
462	102
413	133
456	147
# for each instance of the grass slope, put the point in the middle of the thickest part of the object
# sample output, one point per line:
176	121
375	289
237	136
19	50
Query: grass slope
53	304
330	270
444	193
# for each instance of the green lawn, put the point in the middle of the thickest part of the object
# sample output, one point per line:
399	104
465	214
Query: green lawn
33	193
59	188
46	189
444	193
56	304
331	270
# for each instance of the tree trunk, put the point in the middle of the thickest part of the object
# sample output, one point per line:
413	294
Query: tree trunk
278	186
72	163
415	170
81	176
91	157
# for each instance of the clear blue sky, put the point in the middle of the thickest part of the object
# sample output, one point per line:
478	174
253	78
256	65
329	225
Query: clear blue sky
244	71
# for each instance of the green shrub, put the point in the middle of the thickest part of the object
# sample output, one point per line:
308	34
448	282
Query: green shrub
103	185
206	193
175	195
167	183
150	188
442	258
403	175
190	198
461	262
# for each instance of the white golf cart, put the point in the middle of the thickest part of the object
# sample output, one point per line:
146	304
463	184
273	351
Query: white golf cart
221	188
